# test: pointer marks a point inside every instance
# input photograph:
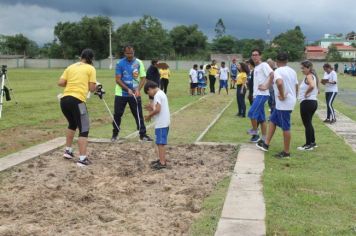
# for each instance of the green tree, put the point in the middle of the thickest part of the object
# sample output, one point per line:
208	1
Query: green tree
245	46
18	44
219	28
146	35
224	44
291	41
88	33
51	50
188	40
333	54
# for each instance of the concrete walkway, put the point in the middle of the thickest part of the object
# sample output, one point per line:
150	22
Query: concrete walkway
244	208
344	127
29	153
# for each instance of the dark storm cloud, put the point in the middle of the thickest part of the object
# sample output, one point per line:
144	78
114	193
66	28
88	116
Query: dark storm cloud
242	18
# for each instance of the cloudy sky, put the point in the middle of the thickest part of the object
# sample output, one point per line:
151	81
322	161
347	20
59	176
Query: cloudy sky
243	18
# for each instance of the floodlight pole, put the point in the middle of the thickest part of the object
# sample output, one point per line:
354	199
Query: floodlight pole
110	48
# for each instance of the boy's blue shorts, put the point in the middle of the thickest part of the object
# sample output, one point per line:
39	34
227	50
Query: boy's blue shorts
257	110
161	135
223	83
281	119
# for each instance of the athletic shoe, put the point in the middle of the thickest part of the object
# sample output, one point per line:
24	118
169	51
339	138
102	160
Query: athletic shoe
68	155
314	145
114	138
84	162
326	121
305	147
155	162
262	145
255	138
252	132
281	155
159	166
146	138
332	121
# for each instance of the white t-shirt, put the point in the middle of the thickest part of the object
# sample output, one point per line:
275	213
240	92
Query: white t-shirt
332	77
260	76
290	81
224	73
162	119
194	75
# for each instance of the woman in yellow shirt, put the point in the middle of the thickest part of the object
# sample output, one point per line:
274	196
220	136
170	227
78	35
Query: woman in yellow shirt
241	88
77	80
165	74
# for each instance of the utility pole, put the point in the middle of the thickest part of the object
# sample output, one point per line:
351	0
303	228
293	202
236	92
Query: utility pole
110	48
269	29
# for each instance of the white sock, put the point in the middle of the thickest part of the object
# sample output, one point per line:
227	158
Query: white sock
82	158
263	138
69	149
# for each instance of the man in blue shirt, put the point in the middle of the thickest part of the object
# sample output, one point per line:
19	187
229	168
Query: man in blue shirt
233	72
130	77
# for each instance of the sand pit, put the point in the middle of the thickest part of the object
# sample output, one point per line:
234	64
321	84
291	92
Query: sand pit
118	195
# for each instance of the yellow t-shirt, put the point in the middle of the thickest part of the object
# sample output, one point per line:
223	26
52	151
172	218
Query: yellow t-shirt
165	73
241	78
213	70
78	76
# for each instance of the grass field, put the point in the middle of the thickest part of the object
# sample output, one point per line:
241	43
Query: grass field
311	194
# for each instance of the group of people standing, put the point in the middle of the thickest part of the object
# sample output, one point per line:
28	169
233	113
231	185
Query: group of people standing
287	90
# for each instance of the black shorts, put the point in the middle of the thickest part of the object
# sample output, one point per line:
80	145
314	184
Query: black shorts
76	114
193	85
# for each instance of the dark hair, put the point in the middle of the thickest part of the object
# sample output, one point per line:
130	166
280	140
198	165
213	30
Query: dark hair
309	65
149	85
251	62
127	47
244	68
195	66
87	55
282	57
222	62
154	61
327	65
256	50
208	67
201	67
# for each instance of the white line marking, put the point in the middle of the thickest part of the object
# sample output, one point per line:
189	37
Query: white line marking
213	122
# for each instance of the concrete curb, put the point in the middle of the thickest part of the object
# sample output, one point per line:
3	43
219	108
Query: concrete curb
344	127
244	209
29	153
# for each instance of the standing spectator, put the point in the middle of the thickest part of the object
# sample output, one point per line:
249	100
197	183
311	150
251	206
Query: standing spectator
201	81
285	89
271	98
262	73
330	82
345	69
234	72
308	92
153	72
223	77
193	78
251	66
165	74
241	88
130	78
336	67
77	80
213	71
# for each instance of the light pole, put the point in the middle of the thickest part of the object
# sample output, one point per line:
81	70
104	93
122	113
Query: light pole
110	48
